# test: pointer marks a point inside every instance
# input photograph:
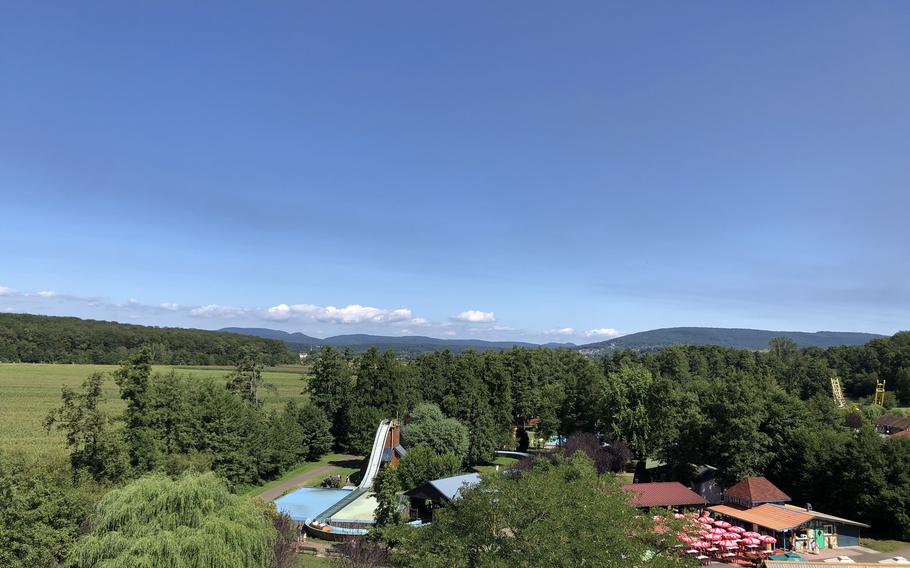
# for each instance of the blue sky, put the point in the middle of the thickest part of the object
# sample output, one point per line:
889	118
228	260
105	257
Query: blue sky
527	170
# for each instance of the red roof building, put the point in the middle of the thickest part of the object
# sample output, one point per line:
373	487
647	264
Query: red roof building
665	494
753	491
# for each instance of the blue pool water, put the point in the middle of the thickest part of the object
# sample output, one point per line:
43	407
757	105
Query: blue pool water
305	503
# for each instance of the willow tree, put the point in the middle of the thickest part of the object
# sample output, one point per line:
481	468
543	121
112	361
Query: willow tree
188	523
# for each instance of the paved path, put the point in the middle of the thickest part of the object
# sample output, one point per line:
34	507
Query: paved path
298	480
857	553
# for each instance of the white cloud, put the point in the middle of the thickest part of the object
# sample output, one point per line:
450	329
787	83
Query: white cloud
602	332
4	291
561	331
420	321
353	313
170	306
476	316
46	293
279	312
216	311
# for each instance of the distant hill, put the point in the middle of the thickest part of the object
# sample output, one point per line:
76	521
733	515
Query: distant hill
297	341
727	337
28	338
411	344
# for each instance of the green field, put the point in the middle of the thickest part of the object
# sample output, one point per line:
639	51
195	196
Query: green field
28	391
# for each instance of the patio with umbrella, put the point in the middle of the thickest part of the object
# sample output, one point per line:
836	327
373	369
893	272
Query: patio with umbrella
769	540
729	546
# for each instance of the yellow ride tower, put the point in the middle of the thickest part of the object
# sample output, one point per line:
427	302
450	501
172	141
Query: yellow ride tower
880	393
838	392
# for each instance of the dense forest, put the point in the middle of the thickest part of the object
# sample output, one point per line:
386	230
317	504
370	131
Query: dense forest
656	339
26	338
745	412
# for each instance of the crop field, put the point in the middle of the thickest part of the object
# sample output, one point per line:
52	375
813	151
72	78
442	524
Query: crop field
28	391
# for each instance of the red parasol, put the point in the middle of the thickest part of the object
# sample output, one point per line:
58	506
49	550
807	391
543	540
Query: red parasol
768	539
684	537
751	534
737	529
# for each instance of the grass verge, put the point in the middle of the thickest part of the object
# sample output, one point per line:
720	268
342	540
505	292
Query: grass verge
884	545
301	469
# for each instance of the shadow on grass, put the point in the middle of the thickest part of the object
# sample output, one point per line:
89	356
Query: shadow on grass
350	463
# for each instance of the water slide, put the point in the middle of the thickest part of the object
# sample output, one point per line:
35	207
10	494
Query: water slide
375	459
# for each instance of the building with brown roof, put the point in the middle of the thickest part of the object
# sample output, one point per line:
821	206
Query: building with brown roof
767	516
890	424
795	527
664	494
754	491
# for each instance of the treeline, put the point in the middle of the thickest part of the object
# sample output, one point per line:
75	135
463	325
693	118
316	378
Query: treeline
744	412
171	426
174	423
26	338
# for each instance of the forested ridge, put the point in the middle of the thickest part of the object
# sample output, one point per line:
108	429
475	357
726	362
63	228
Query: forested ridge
30	338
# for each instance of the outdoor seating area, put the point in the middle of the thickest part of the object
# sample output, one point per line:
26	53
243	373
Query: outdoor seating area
715	540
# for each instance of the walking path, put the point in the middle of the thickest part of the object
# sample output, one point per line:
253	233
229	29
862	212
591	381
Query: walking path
857	553
298	480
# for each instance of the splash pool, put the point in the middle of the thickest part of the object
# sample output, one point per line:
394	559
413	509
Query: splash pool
305	503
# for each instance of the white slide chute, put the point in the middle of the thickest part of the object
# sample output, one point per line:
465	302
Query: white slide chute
375	459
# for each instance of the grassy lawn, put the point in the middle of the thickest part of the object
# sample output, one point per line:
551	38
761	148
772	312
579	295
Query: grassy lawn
626	477
28	391
337	460
502	462
344	468
311	561
884	545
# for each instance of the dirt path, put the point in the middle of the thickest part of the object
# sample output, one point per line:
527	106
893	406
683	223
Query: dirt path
298	480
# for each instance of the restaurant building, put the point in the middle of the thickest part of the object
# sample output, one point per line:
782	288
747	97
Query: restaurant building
757	505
